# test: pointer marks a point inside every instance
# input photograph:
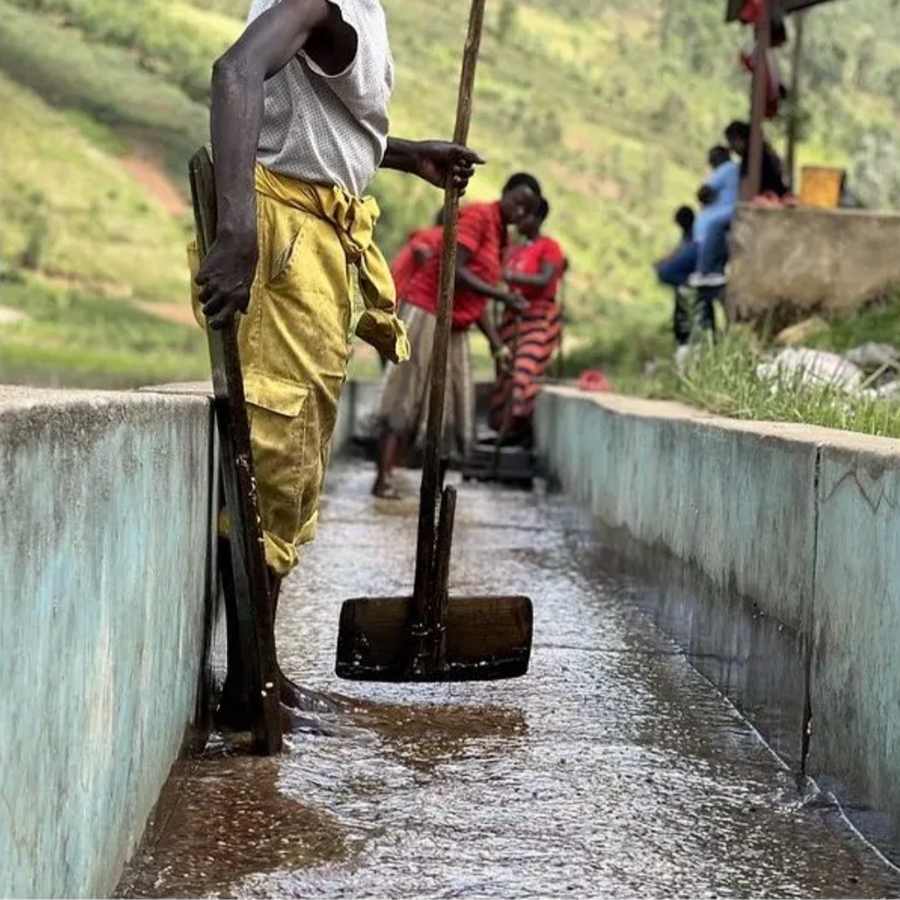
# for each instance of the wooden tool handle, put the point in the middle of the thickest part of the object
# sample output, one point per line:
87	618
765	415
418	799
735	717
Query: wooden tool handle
423	593
255	619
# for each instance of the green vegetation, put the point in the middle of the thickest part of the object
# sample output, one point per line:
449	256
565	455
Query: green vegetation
613	106
723	379
880	323
166	36
116	103
70	210
96	342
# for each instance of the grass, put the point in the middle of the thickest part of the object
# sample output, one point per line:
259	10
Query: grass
102	90
598	110
70	210
879	323
722	378
92	340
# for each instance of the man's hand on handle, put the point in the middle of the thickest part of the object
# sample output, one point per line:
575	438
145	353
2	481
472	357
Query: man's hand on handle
445	164
226	276
441	163
227	273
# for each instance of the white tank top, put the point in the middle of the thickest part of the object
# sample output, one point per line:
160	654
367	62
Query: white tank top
331	129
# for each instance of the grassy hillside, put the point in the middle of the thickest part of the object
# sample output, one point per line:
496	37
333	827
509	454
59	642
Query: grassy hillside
612	105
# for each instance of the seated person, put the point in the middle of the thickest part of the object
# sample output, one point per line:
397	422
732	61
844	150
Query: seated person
737	134
718	197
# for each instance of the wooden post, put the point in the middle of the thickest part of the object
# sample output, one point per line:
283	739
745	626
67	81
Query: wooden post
426	605
758	106
794	121
255	619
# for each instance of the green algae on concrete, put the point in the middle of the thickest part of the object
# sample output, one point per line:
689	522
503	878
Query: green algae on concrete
105	509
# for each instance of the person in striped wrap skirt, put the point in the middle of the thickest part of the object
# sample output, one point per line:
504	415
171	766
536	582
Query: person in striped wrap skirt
534	269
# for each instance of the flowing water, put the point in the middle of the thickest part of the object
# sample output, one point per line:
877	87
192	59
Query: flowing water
612	769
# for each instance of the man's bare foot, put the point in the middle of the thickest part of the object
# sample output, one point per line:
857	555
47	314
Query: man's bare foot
385	490
303	699
329	725
233	712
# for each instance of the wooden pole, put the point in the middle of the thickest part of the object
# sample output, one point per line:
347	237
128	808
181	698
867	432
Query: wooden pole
758	105
255	614
794	121
425	602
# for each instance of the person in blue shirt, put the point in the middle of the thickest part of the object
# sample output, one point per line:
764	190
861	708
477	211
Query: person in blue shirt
703	241
718	197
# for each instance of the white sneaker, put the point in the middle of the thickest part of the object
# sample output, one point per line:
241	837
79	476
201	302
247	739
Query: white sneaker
707	279
682	355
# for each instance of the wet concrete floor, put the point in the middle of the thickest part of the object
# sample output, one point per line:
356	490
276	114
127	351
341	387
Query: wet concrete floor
612	769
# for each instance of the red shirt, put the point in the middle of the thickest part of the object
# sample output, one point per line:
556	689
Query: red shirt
405	264
483	234
530	259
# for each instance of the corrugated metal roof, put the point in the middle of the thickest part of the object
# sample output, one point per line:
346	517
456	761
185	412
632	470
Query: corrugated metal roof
733	7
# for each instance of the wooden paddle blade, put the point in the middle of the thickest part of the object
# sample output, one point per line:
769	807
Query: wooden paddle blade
517	466
487	638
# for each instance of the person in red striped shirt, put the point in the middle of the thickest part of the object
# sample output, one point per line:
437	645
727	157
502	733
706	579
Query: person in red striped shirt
535	267
481	245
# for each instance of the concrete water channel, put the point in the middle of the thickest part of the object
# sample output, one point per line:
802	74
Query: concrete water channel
613	769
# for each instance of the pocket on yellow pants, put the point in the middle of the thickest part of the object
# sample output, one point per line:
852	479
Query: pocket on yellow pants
279	412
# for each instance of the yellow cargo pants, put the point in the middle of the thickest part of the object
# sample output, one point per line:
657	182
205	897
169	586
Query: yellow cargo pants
295	342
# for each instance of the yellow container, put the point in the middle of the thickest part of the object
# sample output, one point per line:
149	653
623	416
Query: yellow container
821	186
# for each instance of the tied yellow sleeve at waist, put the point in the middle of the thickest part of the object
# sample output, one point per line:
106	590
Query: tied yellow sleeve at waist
354	221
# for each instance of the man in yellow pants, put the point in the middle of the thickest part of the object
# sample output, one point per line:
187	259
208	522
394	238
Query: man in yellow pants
299	126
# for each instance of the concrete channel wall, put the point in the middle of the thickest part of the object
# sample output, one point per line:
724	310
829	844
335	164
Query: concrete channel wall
105	516
799	524
106	618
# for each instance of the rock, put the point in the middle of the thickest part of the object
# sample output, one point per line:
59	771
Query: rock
889	391
802	332
814	367
873	356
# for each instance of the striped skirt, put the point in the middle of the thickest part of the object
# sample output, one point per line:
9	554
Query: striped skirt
403	406
533	349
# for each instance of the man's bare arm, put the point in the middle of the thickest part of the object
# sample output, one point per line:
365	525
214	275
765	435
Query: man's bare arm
268	44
